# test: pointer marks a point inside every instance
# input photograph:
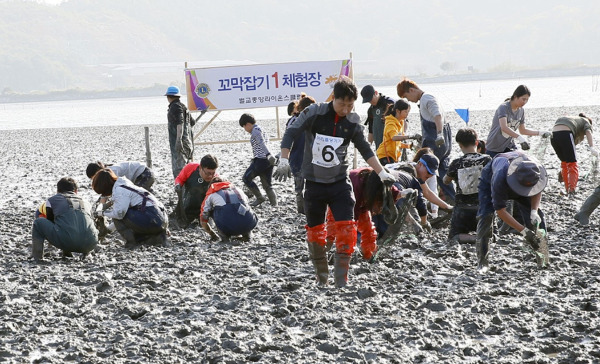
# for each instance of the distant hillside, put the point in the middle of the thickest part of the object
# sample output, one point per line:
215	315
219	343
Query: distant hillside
125	46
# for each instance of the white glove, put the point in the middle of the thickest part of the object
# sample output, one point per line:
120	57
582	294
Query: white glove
545	134
535	218
439	141
407	191
594	151
283	171
384	176
98	213
521	140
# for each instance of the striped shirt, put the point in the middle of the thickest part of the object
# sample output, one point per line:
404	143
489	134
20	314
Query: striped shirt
259	140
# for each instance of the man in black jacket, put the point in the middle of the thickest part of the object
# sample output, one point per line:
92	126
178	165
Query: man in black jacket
180	131
375	119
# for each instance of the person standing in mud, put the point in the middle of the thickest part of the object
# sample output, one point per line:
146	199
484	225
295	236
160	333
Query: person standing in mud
68	223
509	117
180	131
262	163
191	186
375	114
391	148
465	171
510	176
436	132
569	131
297	156
328	129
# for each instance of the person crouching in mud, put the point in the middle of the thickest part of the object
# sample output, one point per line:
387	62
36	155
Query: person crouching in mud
65	220
510	176
369	196
191	186
138	216
230	211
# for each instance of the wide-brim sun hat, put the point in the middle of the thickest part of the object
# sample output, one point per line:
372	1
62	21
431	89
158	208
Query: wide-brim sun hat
526	176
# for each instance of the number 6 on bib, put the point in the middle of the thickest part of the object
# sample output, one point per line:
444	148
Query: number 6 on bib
323	150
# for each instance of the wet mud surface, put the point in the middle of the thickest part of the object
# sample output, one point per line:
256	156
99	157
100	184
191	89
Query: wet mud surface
237	302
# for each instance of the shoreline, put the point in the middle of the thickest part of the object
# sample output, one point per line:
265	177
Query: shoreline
361	80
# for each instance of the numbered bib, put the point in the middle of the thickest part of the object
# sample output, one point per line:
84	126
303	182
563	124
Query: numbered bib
323	150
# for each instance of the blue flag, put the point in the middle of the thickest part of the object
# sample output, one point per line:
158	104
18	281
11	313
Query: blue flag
464	114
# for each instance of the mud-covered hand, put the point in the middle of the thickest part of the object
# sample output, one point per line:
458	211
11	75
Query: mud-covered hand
521	140
531	238
213	236
177	188
545	134
386	177
283	171
98	213
594	152
426	226
439	141
447	210
416	137
535	218
272	160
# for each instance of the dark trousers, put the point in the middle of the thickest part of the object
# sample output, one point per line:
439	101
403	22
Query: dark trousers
338	196
259	167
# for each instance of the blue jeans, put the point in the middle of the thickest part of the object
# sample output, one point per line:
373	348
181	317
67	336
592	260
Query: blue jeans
143	224
231	223
259	167
442	153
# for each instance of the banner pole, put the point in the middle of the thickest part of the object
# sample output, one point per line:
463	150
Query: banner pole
277	117
355	159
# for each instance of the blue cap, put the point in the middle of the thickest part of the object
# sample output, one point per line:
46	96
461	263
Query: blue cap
172	91
430	162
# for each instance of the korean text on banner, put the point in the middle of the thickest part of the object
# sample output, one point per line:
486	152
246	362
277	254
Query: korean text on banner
265	85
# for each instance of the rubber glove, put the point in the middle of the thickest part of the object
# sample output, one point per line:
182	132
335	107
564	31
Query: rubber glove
385	176
531	238
439	141
283	171
521	140
535	218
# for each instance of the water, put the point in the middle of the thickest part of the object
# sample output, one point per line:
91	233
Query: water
479	95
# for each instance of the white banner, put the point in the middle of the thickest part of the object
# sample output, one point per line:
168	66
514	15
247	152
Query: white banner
265	85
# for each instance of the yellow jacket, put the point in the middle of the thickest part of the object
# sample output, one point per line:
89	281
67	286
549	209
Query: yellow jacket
388	147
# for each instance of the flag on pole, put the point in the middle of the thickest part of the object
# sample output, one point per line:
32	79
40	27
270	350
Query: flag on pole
464	114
